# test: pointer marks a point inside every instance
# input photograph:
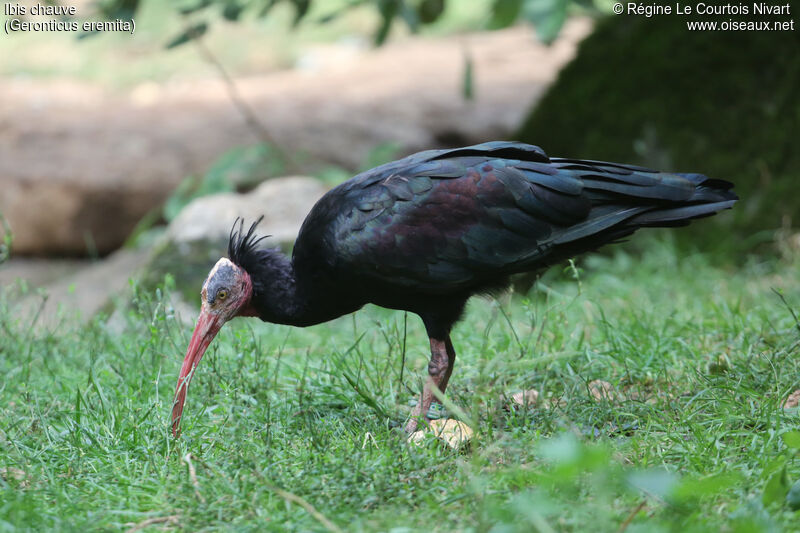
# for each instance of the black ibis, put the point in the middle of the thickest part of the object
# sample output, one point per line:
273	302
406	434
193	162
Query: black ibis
425	233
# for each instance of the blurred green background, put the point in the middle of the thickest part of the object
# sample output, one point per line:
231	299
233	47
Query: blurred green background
665	368
642	90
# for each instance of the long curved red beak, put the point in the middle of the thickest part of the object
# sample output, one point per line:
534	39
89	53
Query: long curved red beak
208	325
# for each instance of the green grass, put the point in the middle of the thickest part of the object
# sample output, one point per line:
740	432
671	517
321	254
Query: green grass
702	357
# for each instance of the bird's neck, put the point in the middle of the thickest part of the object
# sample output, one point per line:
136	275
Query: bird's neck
283	294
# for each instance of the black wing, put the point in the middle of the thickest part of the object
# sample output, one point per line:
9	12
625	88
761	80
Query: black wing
451	219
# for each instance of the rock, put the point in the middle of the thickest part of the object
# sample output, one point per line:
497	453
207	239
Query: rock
454	433
96	161
283	202
198	236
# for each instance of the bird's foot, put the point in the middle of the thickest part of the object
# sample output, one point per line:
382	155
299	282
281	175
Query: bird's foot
411	426
436	411
417	420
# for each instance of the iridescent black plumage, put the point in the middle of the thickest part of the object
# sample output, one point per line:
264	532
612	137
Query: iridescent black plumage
243	247
428	231
243	250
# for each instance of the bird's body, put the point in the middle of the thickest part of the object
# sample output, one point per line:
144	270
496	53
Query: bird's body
427	232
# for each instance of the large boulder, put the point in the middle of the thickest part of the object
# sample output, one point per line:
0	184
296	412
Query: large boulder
198	236
283	202
79	289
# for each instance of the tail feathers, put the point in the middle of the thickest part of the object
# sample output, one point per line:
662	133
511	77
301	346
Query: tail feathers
700	179
710	197
601	220
669	216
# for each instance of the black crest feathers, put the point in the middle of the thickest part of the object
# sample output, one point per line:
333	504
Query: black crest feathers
243	247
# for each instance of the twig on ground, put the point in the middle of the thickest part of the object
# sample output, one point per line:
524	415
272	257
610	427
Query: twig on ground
294	498
625	523
242	106
172	519
193	477
789	307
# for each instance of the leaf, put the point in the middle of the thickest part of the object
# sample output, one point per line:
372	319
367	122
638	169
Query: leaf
144	227
266	8
776	488
119	9
78	401
793	496
430	10
467	84
388	10
504	13
656	482
791	439
241	167
87	34
411	17
367	399
301	9
454	433
181	196
232	11
696	488
380	154
526	398
193	32
564	448
199	6
547	16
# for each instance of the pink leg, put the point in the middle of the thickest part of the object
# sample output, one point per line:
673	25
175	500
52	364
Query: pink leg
443	356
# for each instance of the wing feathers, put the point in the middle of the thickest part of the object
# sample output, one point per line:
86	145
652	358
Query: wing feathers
596	223
445	219
658	216
671	189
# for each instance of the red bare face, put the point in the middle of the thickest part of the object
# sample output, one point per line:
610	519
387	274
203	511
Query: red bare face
225	294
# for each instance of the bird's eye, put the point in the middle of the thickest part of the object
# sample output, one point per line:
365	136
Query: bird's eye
222	294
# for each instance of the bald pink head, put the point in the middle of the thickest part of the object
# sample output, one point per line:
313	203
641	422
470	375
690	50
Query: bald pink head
226	293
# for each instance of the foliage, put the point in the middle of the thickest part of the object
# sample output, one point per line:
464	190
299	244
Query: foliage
547	16
242	168
7	240
239	169
378	155
275	430
648	91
